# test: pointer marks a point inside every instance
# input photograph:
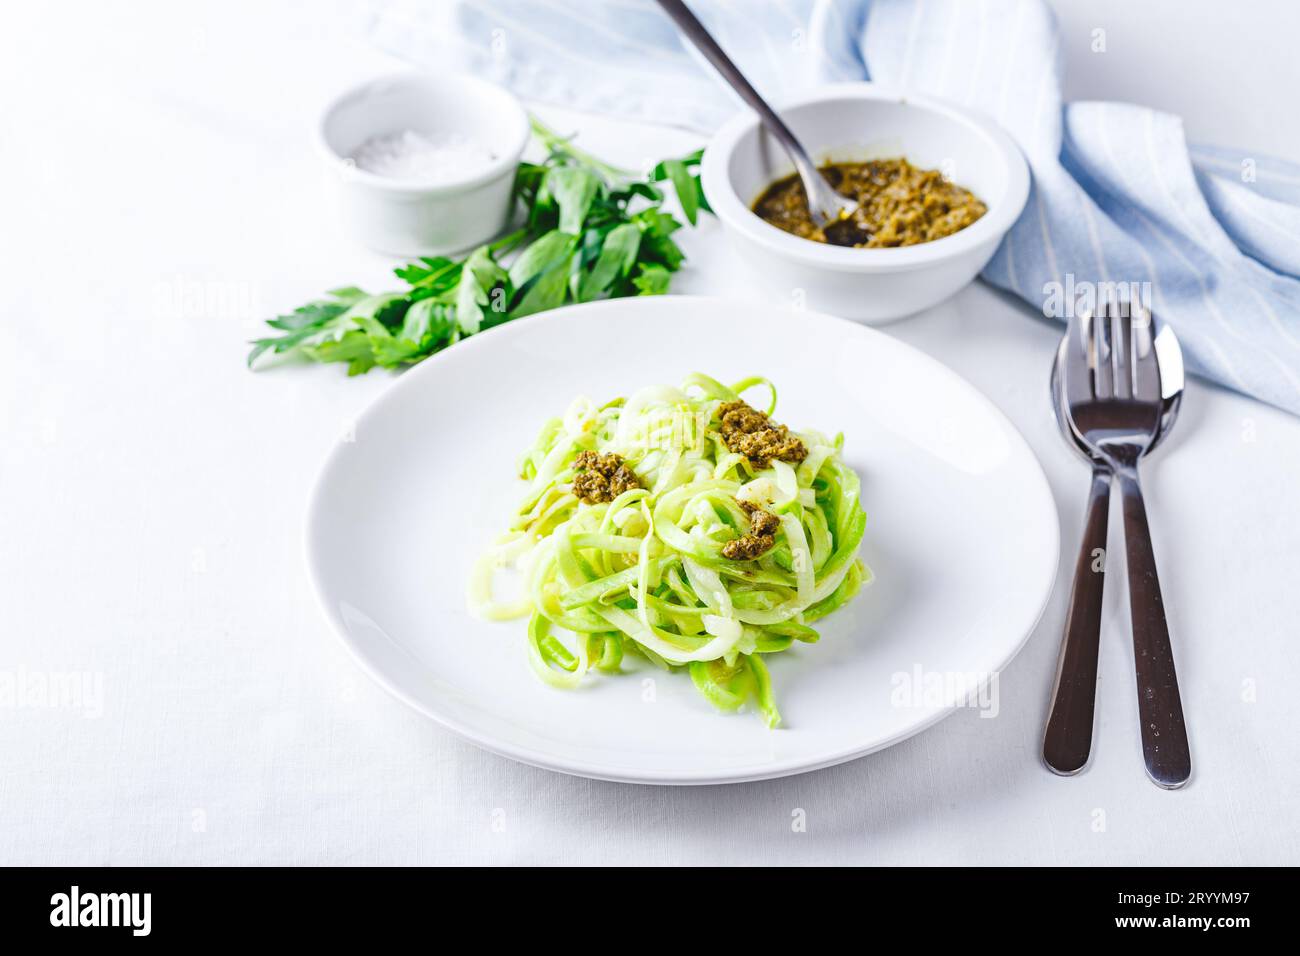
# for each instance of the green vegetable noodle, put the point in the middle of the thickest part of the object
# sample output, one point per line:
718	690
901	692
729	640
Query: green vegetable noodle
590	231
682	526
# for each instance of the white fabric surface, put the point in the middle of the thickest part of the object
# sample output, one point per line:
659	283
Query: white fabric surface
160	196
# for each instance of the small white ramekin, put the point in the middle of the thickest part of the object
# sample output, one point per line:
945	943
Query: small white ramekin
858	121
409	218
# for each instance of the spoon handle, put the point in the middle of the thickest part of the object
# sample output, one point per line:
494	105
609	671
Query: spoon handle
690	25
1160	707
1067	741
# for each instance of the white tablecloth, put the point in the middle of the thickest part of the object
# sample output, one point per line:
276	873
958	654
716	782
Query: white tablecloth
160	196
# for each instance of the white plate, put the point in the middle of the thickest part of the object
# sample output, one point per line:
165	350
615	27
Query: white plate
961	534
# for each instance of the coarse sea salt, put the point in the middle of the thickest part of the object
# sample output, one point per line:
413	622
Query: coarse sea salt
422	157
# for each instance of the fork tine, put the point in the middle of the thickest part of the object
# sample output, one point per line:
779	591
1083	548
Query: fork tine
1122	345
1146	369
1100	357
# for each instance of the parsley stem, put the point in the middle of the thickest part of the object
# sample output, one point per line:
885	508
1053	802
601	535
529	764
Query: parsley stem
556	143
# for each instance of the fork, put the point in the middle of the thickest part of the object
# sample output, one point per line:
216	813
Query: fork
1112	391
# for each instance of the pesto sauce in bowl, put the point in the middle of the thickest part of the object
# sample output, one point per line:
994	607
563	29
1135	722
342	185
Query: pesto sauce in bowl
899	204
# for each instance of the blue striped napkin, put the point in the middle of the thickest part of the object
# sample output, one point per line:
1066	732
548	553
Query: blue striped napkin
1211	235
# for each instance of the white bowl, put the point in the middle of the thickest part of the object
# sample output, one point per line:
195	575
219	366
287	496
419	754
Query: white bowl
859	121
410	218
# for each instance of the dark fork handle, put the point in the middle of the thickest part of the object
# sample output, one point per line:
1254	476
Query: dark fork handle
1160	707
1067	742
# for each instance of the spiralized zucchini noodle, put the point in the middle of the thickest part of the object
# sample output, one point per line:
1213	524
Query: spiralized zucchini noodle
633	562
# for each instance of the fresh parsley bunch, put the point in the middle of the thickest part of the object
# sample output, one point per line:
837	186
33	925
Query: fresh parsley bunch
591	231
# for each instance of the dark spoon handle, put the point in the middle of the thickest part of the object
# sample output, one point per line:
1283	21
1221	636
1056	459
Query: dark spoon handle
1067	741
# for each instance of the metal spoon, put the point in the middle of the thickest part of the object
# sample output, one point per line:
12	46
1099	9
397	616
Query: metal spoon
830	211
1172	381
1067	741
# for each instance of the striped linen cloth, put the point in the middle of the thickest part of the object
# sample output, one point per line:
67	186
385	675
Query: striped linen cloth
1209	234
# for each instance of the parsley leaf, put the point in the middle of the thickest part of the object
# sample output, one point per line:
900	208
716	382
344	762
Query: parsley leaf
590	230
